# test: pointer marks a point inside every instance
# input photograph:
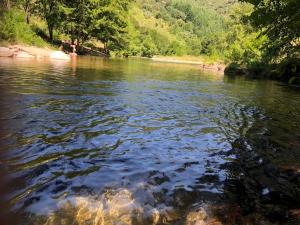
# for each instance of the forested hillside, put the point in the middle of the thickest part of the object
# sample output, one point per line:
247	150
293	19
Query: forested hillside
243	32
213	28
125	27
178	27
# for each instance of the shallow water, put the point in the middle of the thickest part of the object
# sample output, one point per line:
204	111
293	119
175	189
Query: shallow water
99	141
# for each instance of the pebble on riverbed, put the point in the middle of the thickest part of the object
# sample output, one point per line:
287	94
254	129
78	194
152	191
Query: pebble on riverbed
197	217
113	207
201	216
121	208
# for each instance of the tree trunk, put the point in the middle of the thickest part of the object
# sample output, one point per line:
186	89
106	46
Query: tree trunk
50	29
106	50
27	13
27	18
6	4
26	7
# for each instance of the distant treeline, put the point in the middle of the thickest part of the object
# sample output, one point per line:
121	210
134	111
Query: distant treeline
244	32
80	20
138	28
278	21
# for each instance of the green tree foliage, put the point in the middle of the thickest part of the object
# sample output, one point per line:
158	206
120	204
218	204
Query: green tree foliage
76	19
7	31
28	6
280	21
109	22
244	43
6	4
85	19
177	27
14	29
147	28
50	10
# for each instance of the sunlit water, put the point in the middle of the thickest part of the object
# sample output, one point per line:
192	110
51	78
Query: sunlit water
98	141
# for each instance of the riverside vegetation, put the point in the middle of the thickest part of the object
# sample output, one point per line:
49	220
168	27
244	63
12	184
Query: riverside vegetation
131	142
258	37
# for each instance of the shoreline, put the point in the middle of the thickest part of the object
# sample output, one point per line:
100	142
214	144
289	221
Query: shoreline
216	66
31	52
213	66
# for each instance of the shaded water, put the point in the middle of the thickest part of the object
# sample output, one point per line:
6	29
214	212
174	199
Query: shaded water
99	141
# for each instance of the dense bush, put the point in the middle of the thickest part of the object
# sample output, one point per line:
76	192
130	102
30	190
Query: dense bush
7	26
176	27
170	27
289	70
14	29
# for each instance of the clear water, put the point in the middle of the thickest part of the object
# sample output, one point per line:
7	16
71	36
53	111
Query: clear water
141	142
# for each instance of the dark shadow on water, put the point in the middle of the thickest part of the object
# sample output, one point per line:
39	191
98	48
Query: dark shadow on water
6	182
258	191
165	138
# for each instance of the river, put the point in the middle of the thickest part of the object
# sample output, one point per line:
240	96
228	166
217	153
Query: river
97	141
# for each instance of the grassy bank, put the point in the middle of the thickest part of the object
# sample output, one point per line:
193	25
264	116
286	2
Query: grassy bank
15	30
188	58
288	70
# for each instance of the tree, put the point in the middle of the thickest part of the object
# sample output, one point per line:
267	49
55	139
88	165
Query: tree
77	19
102	20
245	43
109	22
28	6
280	21
6	4
50	10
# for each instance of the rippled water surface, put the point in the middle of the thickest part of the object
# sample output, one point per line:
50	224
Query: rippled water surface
99	141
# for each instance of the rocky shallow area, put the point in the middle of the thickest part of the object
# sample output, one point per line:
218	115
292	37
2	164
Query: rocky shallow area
216	67
17	51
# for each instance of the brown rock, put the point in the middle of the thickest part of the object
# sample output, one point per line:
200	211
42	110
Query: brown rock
24	55
197	217
6	52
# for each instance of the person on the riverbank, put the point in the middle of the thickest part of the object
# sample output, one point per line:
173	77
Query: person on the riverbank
74	46
69	46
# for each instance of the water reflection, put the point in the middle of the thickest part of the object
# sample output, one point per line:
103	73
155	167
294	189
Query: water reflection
95	140
257	183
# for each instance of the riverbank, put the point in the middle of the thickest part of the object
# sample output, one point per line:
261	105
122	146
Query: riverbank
20	51
204	64
30	52
186	131
288	70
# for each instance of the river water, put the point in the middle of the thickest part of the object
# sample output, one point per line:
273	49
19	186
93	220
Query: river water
97	141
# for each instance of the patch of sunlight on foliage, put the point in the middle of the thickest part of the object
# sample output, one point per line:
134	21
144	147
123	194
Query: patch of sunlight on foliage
15	30
176	28
202	58
245	43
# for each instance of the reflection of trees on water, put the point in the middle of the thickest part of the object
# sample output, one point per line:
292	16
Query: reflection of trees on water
257	183
8	107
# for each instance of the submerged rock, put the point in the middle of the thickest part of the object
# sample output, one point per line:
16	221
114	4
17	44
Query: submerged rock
201	216
115	207
196	217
